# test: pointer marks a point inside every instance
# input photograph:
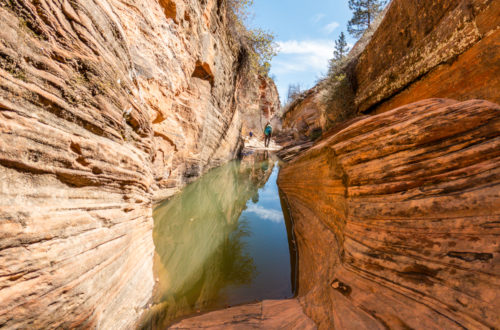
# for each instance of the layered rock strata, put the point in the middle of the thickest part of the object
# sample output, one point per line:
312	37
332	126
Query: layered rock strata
306	116
397	219
420	49
258	103
104	106
425	49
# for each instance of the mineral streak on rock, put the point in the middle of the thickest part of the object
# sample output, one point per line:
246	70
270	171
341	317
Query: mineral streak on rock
103	110
397	219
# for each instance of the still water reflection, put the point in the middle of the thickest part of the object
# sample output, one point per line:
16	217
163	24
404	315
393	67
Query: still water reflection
221	242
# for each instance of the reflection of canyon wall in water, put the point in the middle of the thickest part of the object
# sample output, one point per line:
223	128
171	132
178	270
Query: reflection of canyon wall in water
104	106
198	241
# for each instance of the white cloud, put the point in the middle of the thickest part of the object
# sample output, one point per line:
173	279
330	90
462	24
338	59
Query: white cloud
301	56
320	47
266	214
281	67
318	17
329	28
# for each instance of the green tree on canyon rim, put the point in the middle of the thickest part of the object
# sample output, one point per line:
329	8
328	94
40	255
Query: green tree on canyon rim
339	55
364	12
341	48
339	83
257	44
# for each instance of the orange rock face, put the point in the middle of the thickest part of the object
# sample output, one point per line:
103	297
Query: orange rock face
105	106
306	116
257	102
397	219
421	49
268	314
425	49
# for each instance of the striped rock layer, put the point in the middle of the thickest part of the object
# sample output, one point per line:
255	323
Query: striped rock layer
397	219
105	106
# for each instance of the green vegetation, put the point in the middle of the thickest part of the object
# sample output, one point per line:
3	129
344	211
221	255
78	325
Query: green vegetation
340	52
339	96
340	82
340	91
341	48
364	12
257	46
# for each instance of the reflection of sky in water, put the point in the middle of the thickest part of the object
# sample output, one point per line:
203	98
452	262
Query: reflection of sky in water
265	214
221	241
268	245
268	206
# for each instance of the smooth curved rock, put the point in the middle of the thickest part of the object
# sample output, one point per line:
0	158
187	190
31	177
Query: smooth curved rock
101	112
397	220
268	314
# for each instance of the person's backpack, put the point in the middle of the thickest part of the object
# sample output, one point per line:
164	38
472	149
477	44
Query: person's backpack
268	130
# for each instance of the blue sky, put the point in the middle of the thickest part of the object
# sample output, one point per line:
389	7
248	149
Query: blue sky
305	32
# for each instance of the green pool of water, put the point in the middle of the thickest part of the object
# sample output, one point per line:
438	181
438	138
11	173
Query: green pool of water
222	241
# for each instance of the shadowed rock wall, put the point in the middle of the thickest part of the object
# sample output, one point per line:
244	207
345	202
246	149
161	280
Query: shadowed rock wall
104	106
397	219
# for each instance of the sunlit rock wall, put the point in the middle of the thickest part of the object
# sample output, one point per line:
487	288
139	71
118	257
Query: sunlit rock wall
307	115
104	106
258	103
396	217
396	221
420	49
425	49
188	67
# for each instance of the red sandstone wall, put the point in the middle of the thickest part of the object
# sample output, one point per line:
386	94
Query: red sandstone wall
397	219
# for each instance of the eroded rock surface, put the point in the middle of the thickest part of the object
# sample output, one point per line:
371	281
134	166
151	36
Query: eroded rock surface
306	116
397	219
104	107
419	50
258	102
269	314
425	49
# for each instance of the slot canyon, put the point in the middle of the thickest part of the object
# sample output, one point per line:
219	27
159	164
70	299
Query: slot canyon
124	131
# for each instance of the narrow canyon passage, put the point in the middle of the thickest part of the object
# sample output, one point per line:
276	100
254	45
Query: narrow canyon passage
124	203
223	241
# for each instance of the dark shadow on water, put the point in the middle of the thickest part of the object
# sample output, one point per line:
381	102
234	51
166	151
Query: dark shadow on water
222	241
294	252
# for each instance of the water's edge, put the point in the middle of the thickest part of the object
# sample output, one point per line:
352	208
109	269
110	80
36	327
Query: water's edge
292	242
153	318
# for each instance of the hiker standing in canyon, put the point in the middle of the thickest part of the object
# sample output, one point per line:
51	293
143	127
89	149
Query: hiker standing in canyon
268	132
